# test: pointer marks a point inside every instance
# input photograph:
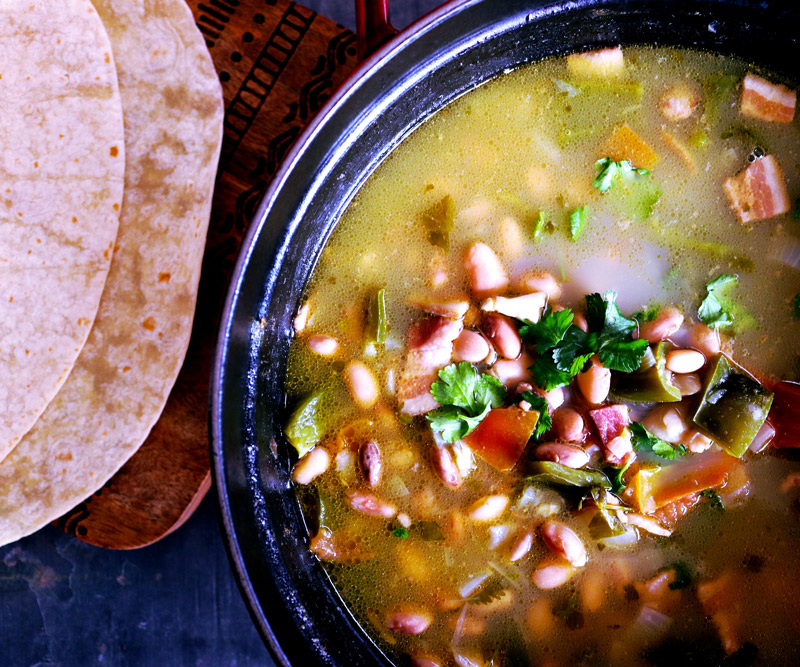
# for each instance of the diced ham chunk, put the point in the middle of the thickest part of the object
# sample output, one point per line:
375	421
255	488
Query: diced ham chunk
678	102
767	101
759	191
430	348
610	421
595	64
486	274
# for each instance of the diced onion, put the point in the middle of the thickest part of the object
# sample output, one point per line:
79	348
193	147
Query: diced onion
473	585
498	535
626	539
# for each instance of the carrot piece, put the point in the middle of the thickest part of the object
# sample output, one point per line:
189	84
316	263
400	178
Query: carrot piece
625	144
679	147
651	488
502	436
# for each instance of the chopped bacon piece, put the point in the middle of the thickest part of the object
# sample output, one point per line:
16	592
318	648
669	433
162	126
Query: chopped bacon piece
502	436
785	415
759	191
592	64
610	421
430	348
768	101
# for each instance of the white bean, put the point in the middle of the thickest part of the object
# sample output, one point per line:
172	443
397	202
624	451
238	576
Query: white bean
595	382
666	323
552	575
704	339
409	620
685	361
571	456
488	508
666	422
688	384
568	425
361	384
470	346
486	274
522	546
311	465
325	346
563	541
539	281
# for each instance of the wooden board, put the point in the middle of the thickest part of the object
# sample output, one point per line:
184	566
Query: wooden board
278	63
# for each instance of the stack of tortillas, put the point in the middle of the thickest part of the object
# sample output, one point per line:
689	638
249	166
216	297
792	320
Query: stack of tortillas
110	129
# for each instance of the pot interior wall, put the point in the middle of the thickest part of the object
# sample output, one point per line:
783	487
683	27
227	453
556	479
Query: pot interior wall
454	50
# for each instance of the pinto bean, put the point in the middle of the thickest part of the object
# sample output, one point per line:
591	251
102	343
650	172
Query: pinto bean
486	274
539	281
361	384
370	456
563	542
470	346
503	334
571	456
445	467
666	323
568	425
513	371
595	382
369	504
408	619
666	422
511	236
521	546
580	321
312	465
552	575
325	346
685	361
688	383
704	339
488	508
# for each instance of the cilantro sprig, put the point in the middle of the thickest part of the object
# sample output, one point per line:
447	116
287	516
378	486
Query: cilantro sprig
539	404
644	441
610	172
577	222
466	397
564	349
715	311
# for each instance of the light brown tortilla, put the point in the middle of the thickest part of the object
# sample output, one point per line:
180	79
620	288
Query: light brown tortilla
173	120
62	163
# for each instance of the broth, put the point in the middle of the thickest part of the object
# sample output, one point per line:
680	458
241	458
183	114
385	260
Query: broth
518	150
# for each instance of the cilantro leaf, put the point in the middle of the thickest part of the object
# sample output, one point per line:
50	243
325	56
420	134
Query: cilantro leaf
539	225
577	221
466	397
547	375
623	355
714	499
400	532
603	314
575	350
610	171
548	331
539	404
644	441
715	311
617	481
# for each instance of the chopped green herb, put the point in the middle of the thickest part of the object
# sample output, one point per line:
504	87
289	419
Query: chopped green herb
439	220
683	577
603	314
698	139
796	306
713	498
617	481
644	441
610	171
466	397
714	311
492	590
647	315
376	318
549	331
539	404
577	221
400	532
540	225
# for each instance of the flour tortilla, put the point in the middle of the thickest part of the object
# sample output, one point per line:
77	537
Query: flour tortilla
173	122
62	164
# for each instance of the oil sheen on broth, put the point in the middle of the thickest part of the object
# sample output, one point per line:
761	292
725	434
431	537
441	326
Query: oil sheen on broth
722	583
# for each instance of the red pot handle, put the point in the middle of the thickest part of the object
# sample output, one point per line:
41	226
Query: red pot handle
372	26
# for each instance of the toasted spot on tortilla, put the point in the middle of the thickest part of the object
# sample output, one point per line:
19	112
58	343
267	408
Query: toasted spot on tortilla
149	324
164	277
114	151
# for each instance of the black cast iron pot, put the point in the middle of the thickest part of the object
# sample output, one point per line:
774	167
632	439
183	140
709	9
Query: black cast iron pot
452	50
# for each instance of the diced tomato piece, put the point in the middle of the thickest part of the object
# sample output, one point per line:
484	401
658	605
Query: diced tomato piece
502	436
610	421
768	101
652	488
785	415
596	64
625	144
759	191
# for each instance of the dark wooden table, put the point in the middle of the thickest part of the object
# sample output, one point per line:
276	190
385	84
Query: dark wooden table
63	602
